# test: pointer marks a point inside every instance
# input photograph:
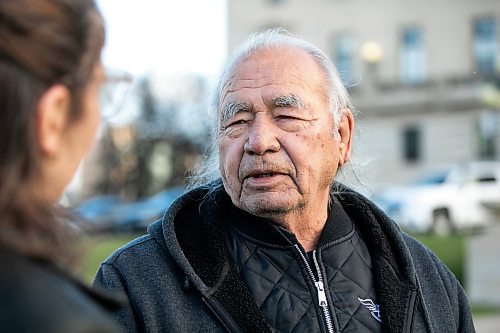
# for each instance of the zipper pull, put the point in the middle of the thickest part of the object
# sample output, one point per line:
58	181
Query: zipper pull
321	293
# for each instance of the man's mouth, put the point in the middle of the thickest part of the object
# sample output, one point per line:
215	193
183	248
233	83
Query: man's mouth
263	179
262	175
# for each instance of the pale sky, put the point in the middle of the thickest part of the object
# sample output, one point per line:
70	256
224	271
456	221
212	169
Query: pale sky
165	36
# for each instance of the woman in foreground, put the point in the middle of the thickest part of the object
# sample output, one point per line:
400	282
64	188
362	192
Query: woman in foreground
50	75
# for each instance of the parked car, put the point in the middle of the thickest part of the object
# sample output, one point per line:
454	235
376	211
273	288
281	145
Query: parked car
137	215
91	215
111	214
461	197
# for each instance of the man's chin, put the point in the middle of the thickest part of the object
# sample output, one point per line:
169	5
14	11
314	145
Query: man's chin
272	209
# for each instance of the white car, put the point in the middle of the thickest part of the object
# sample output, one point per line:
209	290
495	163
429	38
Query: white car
461	197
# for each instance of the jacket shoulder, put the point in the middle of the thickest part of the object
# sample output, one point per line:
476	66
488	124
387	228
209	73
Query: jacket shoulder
37	298
135	248
423	256
427	264
141	259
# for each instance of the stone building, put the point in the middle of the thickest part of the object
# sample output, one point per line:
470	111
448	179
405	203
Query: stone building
424	74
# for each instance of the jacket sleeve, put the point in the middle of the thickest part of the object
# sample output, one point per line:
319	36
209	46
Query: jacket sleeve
465	323
456	296
109	278
444	298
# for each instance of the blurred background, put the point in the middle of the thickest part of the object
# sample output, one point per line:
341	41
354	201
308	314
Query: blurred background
423	75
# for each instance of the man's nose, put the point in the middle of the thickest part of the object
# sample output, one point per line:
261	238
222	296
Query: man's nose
262	137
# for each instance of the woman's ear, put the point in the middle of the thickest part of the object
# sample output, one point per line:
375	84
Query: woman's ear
52	115
345	132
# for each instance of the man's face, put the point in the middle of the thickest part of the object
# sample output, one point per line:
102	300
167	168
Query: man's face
278	150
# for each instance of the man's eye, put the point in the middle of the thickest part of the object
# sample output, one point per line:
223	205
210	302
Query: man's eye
237	122
287	117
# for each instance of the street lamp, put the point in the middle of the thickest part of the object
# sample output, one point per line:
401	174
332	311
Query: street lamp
372	54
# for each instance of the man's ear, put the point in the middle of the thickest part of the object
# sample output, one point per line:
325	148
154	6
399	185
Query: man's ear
52	115
345	133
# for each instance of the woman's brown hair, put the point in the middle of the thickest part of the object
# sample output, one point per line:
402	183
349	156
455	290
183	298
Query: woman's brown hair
42	43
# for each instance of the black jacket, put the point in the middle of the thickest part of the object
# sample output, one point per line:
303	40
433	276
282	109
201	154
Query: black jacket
329	289
179	277
36	296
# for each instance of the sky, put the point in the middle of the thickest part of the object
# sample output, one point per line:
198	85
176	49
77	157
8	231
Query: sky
165	37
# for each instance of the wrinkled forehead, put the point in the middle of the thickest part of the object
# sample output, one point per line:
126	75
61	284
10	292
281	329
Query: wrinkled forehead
277	66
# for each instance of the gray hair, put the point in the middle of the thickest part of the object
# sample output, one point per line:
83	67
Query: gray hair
338	97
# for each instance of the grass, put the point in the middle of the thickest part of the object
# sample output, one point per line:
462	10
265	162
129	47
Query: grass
478	311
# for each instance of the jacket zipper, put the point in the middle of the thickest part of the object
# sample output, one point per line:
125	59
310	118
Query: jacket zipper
320	287
410	312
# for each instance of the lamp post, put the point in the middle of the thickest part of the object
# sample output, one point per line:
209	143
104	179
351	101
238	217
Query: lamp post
372	54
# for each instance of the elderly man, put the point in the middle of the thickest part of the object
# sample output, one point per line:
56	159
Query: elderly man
269	242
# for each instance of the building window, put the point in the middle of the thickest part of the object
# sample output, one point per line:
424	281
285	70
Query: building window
488	124
343	57
411	144
412	56
485	45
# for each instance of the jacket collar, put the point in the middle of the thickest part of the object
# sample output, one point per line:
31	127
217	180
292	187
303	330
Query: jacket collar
393	270
337	227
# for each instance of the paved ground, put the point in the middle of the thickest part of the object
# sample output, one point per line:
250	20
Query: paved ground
487	324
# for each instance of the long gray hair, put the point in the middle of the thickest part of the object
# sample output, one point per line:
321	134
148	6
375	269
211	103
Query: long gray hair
274	38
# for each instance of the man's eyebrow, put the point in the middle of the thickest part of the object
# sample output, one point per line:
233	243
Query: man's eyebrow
288	101
233	108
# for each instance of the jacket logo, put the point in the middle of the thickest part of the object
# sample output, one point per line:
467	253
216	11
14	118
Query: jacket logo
372	307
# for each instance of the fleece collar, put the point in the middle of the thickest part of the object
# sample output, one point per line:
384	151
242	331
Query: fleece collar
193	232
